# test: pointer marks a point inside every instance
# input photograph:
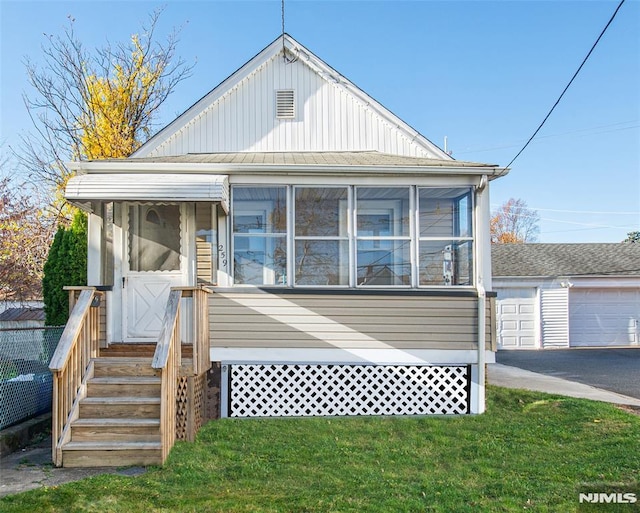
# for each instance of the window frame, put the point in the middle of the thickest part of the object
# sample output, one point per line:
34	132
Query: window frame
384	205
343	236
453	239
352	238
262	236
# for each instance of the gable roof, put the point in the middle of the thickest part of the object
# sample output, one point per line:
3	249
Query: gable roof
552	260
238	115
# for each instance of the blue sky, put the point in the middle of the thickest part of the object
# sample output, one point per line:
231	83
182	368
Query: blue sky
482	74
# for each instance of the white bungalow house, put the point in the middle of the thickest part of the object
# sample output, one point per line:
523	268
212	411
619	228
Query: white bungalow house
336	261
567	295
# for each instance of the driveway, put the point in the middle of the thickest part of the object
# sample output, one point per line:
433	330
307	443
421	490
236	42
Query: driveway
616	370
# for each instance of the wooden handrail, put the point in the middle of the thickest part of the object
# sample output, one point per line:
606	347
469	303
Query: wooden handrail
168	355
70	363
167	359
166	339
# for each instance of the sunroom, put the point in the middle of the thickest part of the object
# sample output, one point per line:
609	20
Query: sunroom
353	236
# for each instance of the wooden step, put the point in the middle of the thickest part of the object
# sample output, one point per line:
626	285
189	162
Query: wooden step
133	349
124	386
121	366
121	349
111	454
115	430
120	407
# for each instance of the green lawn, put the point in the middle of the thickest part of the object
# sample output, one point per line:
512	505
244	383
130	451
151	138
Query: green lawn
529	452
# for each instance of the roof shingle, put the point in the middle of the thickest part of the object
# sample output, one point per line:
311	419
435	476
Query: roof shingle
319	158
550	260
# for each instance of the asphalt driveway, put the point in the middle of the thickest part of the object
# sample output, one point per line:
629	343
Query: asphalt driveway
616	370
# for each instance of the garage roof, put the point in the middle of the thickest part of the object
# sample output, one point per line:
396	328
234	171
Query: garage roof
551	260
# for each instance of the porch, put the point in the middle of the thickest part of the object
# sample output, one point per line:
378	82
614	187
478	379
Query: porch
126	404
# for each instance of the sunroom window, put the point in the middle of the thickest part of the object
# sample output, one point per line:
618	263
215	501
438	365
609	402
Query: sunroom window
358	236
383	236
445	248
260	235
321	236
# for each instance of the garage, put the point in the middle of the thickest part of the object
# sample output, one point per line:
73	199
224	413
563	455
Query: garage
604	317
518	318
567	295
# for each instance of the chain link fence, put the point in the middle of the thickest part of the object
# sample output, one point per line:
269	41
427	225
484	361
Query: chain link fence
26	383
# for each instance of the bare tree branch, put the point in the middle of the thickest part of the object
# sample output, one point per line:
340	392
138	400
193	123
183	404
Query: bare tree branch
514	222
79	98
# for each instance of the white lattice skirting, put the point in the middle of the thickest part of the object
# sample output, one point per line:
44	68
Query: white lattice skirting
302	390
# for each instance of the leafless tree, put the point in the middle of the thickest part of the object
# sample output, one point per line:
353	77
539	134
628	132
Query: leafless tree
514	222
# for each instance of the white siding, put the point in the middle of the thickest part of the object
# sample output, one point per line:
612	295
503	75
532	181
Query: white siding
555	317
328	118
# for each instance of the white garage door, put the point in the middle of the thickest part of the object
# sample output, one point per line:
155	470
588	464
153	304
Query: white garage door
604	317
517	319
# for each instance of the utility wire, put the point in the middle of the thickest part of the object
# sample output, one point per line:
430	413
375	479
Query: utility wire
569	84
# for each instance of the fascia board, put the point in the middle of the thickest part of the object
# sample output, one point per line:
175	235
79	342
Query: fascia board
125	166
582	281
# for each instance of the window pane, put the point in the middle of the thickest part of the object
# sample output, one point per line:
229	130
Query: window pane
445	212
154	238
383	262
446	263
383	212
259	209
260	260
321	212
322	262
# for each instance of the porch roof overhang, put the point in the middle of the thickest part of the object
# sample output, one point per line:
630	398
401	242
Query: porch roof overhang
84	189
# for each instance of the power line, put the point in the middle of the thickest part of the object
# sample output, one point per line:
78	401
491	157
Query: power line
582	132
569	84
564	211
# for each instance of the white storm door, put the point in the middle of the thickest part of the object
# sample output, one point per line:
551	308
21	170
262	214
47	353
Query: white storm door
155	262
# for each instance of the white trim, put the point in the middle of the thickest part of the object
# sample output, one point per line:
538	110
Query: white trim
287	44
600	282
94	249
231	355
476	394
148	187
143	168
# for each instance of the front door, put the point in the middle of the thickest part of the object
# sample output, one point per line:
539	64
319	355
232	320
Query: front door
154	263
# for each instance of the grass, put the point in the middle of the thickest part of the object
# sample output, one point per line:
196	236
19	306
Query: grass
529	452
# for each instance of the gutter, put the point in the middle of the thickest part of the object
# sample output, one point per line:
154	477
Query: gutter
482	339
276	169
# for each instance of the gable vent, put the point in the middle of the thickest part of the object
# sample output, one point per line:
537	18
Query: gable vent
285	104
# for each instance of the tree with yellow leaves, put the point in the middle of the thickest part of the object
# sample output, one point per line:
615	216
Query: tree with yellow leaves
86	106
95	105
